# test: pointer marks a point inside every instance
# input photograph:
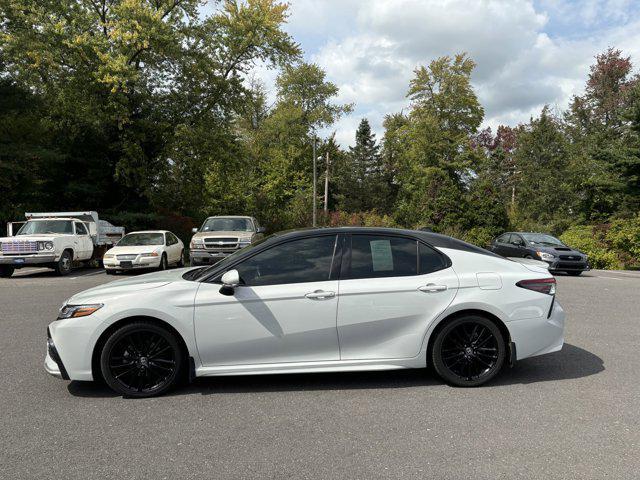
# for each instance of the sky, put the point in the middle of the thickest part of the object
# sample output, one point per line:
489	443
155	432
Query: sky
529	53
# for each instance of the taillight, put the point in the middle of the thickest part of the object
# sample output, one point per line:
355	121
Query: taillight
542	285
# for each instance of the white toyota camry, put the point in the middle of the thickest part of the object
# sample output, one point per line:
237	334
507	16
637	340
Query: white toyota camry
319	300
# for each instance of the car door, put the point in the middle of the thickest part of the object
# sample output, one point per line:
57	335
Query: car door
391	289
283	311
169	248
517	246
83	242
501	245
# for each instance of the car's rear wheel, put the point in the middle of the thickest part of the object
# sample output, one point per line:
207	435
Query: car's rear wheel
141	359
6	272
468	351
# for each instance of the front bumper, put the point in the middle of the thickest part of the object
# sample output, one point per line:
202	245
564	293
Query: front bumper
20	260
207	257
52	363
138	262
559	265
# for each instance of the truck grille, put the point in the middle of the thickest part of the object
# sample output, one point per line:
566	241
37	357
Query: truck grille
19	246
221	243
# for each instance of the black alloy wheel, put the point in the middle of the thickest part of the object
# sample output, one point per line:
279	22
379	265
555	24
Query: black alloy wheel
141	359
468	351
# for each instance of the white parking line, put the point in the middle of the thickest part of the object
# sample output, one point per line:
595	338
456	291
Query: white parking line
613	278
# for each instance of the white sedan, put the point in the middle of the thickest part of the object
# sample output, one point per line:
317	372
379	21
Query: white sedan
149	249
321	300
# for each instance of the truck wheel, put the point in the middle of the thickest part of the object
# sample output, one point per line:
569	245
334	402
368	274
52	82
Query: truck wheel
63	267
6	272
181	261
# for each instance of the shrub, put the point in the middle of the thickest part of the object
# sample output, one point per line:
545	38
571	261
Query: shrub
624	236
592	241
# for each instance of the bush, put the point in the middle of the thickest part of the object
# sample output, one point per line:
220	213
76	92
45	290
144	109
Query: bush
592	241
359	219
624	236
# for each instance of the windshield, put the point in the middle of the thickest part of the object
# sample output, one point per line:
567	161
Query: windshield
220	224
542	239
204	272
46	226
141	239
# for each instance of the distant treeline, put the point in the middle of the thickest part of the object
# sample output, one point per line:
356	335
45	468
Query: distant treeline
147	112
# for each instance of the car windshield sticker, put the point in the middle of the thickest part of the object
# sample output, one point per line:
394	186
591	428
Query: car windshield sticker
381	255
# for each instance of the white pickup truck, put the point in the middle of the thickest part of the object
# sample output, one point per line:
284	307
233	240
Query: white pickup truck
56	240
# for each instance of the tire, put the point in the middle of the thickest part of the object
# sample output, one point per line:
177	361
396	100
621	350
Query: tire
6	271
180	263
163	262
141	359
573	273
468	351
63	267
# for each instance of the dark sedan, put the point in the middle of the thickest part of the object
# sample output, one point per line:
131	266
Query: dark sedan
540	246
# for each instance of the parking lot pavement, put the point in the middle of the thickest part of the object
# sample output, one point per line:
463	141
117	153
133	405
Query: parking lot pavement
573	414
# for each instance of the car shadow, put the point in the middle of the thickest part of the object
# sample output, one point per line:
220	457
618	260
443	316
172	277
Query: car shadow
570	363
30	273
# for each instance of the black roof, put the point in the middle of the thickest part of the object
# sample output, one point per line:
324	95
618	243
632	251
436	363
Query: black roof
431	238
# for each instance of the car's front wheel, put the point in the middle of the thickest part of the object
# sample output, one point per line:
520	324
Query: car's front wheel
141	359
468	351
63	267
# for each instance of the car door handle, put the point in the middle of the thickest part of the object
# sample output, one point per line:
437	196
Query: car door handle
432	288
320	294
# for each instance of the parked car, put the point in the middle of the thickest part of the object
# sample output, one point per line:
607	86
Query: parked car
544	247
219	237
56	240
146	249
316	300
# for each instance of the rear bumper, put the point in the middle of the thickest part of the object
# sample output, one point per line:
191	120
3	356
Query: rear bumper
540	335
21	260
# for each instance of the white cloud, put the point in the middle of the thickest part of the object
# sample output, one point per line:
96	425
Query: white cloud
528	53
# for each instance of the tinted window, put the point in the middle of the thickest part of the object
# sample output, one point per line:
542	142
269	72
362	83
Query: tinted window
503	238
381	256
430	260
81	229
298	261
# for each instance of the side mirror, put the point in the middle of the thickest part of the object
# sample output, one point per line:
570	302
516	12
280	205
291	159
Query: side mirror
261	230
194	230
230	280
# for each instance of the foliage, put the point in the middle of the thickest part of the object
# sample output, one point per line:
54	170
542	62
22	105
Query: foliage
591	241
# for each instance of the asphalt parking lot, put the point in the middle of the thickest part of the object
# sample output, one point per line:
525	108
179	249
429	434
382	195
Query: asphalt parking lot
573	414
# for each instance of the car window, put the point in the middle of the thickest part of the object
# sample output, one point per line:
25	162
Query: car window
374	256
298	261
430	260
517	239
81	229
503	238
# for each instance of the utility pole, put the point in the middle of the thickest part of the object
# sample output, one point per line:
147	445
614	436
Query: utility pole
326	186
315	179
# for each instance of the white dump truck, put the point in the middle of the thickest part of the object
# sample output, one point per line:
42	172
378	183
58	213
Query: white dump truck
56	240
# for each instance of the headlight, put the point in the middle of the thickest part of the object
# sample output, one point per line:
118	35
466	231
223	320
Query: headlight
195	244
150	254
545	256
75	311
48	245
244	242
108	255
